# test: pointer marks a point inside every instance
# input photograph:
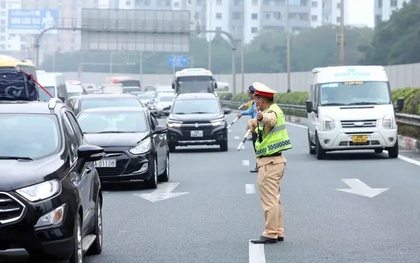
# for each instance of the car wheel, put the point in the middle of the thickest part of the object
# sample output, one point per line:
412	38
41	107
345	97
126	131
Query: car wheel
77	256
393	151
153	180
165	176
224	146
320	153
171	147
312	146
96	247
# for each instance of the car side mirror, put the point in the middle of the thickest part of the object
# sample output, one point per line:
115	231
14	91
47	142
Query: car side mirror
160	129
173	85
215	85
90	153
62	99
309	106
227	111
400	104
167	108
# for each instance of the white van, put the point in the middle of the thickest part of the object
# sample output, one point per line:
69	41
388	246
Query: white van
350	108
54	83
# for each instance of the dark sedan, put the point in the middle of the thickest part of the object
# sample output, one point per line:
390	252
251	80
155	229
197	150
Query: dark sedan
134	143
197	119
83	102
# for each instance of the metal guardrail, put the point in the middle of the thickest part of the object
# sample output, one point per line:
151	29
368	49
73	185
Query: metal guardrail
408	119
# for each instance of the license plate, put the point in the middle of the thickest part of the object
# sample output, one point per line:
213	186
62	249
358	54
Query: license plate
196	133
106	163
359	138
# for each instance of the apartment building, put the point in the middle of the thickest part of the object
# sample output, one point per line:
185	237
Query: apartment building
9	42
384	8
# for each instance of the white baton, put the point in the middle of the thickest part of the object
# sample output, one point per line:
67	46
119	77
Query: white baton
244	140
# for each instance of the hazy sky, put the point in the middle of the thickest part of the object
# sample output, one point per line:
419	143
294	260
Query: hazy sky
361	12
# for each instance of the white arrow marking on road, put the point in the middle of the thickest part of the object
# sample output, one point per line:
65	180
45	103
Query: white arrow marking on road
360	188
237	138
162	193
245	162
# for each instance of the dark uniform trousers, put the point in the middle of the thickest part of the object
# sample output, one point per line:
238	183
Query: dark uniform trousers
270	173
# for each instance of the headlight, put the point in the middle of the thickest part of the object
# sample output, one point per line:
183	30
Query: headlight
174	124
143	147
40	191
328	124
388	122
151	107
218	122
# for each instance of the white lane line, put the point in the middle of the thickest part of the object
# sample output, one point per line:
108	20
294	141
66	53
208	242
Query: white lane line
237	138
256	253
229	130
250	189
245	162
401	157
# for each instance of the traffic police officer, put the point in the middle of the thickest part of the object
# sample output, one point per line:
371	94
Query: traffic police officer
273	139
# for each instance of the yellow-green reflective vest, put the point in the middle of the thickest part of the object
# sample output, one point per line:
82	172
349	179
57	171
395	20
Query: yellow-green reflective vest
277	140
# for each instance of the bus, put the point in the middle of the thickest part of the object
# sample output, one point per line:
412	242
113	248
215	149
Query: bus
24	64
194	80
129	84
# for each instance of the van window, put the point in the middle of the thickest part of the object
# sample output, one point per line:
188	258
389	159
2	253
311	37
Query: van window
354	93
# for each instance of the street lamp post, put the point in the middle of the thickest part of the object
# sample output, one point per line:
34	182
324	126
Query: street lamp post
288	45
210	28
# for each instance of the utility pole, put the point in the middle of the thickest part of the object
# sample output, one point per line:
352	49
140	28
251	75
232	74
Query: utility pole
210	28
342	40
288	45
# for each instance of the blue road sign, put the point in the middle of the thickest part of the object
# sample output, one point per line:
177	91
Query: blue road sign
178	61
32	19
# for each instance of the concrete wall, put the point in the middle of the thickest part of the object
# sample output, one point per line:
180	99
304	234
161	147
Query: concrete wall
400	76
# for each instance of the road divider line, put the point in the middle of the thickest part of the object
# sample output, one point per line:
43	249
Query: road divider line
245	162
229	130
250	189
256	253
401	157
237	138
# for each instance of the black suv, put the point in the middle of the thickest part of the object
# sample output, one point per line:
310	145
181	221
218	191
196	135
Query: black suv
50	192
197	119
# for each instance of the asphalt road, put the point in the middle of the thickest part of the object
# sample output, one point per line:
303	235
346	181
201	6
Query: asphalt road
220	209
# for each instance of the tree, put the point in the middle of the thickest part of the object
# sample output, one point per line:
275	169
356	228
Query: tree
397	40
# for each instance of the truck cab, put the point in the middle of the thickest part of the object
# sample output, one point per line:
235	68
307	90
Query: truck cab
351	108
194	80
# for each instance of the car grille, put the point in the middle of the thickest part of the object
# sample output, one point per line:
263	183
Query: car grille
368	143
358	124
11	209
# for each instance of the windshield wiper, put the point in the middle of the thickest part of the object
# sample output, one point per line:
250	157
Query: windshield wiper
16	158
363	103
334	104
199	112
112	132
179	113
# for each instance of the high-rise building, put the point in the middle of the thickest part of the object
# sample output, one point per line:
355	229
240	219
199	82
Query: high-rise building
384	8
9	42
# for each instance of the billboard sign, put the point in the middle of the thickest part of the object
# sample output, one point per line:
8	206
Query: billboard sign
136	30
31	21
178	61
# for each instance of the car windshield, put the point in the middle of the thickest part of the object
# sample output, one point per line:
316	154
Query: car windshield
113	122
31	136
166	98
43	96
71	94
355	93
199	106
110	102
196	84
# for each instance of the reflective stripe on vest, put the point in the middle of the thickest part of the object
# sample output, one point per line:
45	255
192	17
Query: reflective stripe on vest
277	139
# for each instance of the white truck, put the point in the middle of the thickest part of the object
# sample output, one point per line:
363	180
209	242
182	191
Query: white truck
194	80
350	108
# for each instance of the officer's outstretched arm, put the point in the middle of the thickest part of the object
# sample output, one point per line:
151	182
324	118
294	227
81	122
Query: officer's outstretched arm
269	119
